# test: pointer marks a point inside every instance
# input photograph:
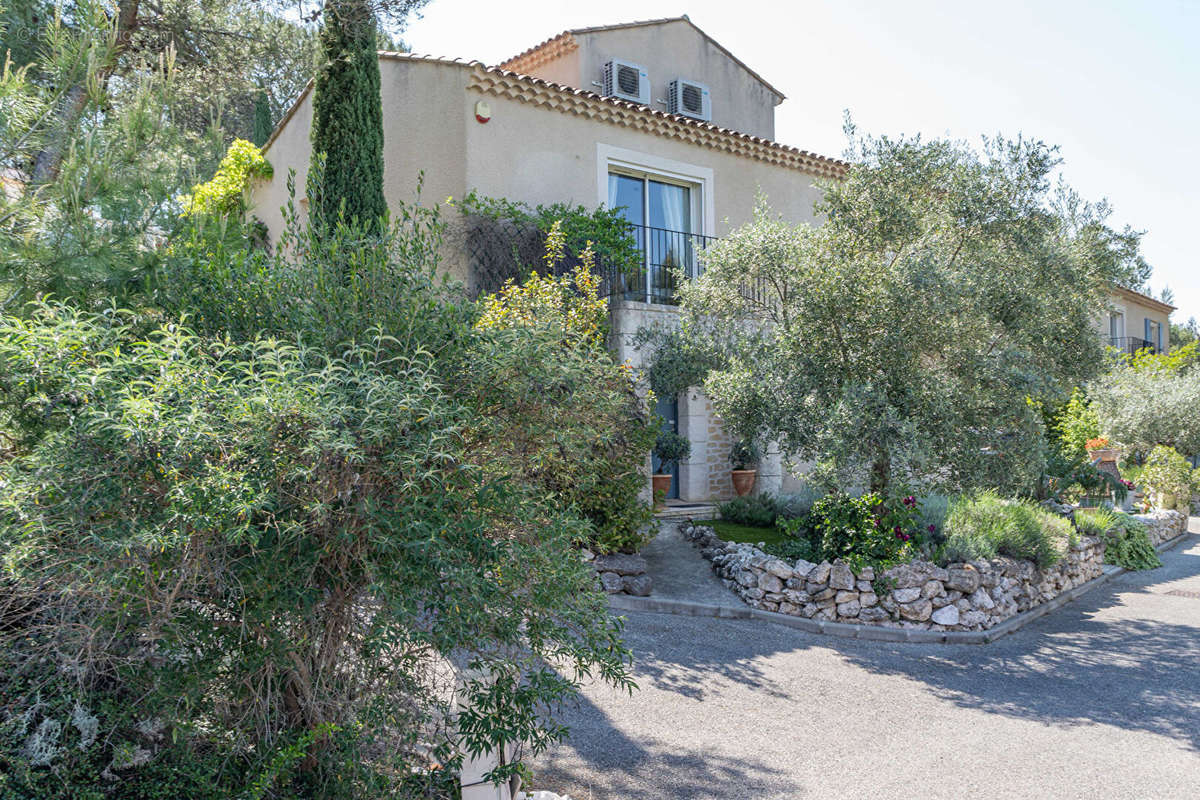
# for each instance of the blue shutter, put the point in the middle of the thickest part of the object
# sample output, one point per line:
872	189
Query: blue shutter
1147	336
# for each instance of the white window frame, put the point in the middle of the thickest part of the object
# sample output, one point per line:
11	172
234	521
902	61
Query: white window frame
632	162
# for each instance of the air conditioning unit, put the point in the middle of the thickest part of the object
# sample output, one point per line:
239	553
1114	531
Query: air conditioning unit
627	81
690	99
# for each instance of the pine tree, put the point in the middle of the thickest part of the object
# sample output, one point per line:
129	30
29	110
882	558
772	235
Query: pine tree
348	116
262	119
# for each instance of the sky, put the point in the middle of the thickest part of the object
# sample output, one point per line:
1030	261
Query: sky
1115	85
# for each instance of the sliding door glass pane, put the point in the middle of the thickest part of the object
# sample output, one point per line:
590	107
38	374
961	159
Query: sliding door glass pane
669	247
625	194
670	207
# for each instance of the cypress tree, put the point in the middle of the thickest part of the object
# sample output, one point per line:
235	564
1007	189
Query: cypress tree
262	119
348	116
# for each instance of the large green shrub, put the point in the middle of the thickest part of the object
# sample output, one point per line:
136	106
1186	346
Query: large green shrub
554	410
985	525
323	289
1126	542
254	545
759	510
869	529
603	231
1167	473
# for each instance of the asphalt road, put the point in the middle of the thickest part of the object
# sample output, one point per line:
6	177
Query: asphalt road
1100	699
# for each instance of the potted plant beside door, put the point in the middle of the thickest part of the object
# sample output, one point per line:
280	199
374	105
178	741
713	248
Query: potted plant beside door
744	459
670	448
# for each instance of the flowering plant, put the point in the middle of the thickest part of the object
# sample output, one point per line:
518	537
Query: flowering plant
1099	443
870	529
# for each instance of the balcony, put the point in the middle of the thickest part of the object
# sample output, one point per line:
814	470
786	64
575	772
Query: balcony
1128	345
640	267
651	275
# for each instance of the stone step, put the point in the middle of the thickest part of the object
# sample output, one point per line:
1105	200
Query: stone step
685	510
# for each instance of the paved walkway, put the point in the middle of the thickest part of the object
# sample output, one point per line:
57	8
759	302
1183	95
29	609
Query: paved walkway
1100	699
681	573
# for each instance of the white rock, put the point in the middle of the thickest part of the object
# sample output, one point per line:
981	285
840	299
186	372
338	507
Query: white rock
779	569
803	568
947	615
981	599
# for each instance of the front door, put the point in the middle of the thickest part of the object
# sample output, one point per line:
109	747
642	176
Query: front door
668	409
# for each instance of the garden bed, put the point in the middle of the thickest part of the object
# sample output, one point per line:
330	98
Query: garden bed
967	596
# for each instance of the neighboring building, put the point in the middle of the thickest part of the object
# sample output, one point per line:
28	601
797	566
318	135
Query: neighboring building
1135	321
655	117
540	129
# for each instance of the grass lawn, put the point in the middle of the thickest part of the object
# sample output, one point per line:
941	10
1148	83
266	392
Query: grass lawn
732	532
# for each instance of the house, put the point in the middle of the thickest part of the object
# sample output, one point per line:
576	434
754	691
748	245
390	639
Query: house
654	116
1135	321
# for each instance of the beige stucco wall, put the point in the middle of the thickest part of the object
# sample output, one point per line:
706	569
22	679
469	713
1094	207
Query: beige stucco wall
424	130
564	70
677	50
668	51
541	155
290	150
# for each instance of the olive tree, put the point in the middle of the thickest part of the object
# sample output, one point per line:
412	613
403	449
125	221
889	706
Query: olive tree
1151	401
903	337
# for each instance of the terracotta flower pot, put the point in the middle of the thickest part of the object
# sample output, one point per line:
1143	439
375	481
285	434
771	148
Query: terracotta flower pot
1105	454
662	485
743	481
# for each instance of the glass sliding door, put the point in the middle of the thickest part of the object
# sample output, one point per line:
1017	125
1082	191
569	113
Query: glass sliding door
628	195
660	213
669	210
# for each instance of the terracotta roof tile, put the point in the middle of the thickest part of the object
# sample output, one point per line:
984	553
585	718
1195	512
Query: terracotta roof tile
645	117
1141	297
569	99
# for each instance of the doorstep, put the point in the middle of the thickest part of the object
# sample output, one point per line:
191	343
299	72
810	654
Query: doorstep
684	509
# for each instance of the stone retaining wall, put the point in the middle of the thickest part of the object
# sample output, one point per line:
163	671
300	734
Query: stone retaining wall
971	596
1163	526
619	573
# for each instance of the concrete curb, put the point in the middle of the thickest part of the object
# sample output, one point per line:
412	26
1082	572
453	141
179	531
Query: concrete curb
686	608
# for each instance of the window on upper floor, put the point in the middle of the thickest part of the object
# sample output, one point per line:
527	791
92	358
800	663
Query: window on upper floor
1116	326
663	215
1154	335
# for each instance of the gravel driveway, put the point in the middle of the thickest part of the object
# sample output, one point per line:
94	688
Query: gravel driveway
1100	699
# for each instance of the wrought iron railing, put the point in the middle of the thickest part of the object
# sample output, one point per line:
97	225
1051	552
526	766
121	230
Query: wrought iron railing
1131	344
646	271
666	255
